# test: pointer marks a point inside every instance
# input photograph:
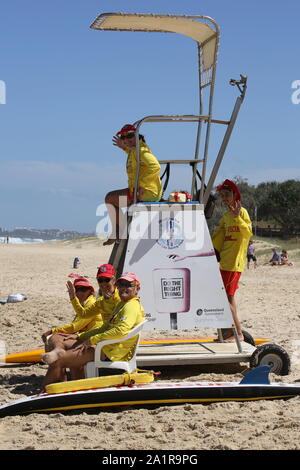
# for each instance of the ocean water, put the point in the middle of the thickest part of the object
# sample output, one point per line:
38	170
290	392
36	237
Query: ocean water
13	240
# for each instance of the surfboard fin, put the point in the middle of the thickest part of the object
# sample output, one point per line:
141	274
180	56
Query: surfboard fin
259	375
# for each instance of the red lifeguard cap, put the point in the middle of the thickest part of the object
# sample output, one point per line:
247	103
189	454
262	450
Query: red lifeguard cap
228	184
106	270
82	281
129	277
128	128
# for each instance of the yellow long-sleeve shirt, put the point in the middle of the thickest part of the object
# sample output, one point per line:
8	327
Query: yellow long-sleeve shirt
231	240
125	317
149	173
79	323
101	306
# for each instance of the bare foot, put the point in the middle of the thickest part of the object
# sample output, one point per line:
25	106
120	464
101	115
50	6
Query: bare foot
52	356
231	339
110	241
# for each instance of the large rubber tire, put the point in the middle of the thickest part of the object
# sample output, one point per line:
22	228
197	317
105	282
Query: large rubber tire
248	338
271	355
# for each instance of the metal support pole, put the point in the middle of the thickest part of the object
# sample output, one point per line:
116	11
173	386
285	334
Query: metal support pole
137	152
208	129
199	128
242	86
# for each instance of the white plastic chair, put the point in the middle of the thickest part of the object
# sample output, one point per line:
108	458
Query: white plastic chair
91	368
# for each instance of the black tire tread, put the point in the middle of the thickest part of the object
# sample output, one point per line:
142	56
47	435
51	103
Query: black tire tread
271	348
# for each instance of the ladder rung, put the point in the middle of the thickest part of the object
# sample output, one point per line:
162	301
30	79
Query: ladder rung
194	160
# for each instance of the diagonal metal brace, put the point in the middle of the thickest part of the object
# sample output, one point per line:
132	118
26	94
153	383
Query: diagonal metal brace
241	84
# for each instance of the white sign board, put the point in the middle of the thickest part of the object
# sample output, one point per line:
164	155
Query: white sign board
170	250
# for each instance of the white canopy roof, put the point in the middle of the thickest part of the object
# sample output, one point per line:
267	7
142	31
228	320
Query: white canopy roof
194	27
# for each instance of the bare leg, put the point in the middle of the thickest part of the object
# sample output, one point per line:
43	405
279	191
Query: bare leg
52	356
74	358
77	373
56	347
233	308
114	200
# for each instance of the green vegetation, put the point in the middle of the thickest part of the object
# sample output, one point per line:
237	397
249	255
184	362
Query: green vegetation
271	204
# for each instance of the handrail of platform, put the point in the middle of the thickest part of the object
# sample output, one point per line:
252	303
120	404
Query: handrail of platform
170	118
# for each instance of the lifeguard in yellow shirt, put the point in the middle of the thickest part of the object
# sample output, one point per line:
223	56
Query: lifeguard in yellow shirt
90	312
230	241
104	304
149	185
127	314
55	338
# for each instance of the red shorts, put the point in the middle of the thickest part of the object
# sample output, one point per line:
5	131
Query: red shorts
230	280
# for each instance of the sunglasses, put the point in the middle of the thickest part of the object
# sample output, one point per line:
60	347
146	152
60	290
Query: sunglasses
125	284
127	136
105	280
82	289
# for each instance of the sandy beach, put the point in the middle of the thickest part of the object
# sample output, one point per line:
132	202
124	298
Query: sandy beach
269	306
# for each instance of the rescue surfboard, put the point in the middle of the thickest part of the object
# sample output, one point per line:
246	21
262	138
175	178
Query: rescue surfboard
254	386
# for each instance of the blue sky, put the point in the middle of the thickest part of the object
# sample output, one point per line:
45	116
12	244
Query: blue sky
69	89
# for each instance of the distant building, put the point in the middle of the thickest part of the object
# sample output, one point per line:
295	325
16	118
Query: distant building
44	234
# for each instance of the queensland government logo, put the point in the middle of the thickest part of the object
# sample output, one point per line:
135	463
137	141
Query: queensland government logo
210	311
171	234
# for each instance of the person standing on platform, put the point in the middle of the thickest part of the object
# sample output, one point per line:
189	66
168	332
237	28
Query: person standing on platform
230	241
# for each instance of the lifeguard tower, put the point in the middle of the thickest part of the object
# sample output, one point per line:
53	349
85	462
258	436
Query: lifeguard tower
168	245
